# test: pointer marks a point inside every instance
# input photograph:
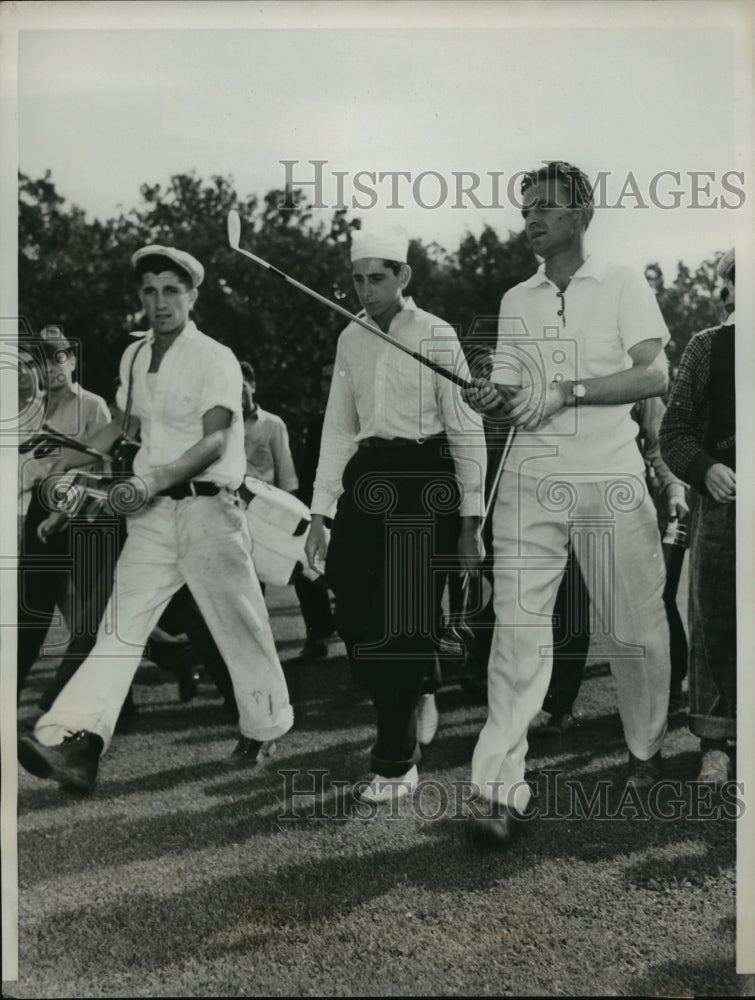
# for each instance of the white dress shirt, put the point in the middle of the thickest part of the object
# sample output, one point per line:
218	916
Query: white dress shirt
377	391
196	374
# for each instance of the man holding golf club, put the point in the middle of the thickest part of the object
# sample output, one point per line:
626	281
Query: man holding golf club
584	339
186	525
404	458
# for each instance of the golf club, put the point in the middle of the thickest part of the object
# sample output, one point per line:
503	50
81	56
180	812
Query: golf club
459	634
234	236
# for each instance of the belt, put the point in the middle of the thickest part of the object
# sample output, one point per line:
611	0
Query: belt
194	488
378	442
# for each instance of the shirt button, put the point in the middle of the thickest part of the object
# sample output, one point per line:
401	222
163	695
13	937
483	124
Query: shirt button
560	312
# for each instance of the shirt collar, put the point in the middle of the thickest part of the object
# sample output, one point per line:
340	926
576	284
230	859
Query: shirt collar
729	321
189	331
408	306
591	267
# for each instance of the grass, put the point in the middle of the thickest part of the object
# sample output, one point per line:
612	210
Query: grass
186	876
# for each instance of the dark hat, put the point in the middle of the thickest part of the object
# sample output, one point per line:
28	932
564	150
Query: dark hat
183	260
725	265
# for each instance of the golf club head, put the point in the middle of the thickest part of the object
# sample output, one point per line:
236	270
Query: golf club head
234	228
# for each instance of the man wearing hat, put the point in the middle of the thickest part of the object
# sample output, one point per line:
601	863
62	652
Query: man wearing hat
44	570
186	525
698	439
404	458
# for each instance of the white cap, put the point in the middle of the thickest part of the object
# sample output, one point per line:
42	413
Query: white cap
385	244
184	260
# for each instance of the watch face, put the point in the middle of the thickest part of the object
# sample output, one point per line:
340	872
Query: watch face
578	390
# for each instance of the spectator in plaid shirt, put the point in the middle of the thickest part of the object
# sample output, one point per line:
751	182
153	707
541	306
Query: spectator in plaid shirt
698	443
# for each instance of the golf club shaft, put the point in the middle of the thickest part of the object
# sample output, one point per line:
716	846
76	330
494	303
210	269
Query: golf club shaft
372	328
491	496
50	436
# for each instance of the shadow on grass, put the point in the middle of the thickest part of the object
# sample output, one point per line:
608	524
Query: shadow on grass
290	888
711	978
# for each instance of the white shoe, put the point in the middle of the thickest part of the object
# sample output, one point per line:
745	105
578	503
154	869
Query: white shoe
427	719
382	789
716	768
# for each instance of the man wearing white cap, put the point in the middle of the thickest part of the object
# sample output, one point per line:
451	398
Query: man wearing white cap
187	526
698	440
404	458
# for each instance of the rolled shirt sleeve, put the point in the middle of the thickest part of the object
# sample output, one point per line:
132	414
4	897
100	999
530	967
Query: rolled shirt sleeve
337	445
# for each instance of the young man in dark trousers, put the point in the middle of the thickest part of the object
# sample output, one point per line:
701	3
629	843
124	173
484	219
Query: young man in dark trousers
404	458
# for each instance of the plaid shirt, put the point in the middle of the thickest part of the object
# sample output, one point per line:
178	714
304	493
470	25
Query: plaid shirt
686	423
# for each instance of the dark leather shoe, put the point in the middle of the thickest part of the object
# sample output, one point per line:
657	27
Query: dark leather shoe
72	763
250	752
643	774
497	826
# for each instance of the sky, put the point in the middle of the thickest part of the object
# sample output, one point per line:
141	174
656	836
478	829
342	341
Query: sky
108	108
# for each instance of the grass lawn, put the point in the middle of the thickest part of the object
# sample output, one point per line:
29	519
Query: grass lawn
183	875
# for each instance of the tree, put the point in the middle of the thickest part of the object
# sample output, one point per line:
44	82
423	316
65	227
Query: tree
688	305
77	274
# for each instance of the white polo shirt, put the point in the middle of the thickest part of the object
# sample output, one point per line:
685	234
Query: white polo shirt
585	333
196	374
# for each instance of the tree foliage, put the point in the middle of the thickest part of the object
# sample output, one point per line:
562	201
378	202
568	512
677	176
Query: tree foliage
77	274
689	304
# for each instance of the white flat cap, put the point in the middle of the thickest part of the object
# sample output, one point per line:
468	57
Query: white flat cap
385	244
184	260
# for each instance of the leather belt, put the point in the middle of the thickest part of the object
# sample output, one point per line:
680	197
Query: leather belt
194	488
378	442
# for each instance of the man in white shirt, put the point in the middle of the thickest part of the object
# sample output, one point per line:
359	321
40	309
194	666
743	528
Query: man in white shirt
404	458
268	457
268	452
185	525
583	340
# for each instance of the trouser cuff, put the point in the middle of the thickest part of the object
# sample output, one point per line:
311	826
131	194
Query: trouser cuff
394	768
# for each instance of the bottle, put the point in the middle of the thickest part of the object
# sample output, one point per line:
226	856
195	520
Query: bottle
675	533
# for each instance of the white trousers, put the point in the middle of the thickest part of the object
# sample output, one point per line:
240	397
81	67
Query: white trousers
614	534
204	542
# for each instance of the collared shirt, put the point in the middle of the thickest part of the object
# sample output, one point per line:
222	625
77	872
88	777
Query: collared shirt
268	453
583	333
377	391
79	415
196	374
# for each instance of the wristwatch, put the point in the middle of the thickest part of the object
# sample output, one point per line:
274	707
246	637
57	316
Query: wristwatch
578	392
